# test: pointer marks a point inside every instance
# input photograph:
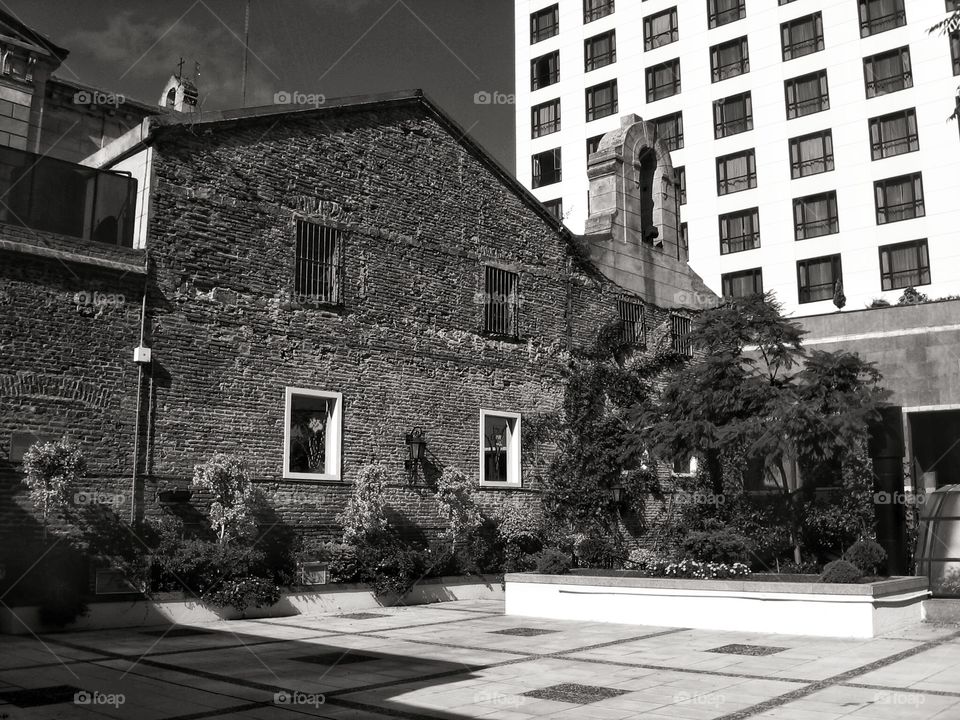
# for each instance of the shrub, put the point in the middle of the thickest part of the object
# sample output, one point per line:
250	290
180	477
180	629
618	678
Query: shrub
599	552
243	592
51	470
841	571
458	506
810	567
392	568
365	514
227	479
867	555
722	545
553	561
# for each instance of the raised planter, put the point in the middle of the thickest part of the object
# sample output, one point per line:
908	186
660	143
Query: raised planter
166	608
796	607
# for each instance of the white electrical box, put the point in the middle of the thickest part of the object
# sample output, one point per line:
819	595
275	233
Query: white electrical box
141	354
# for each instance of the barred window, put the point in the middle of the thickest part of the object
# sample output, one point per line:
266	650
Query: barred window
739	231
732	115
500	311
887	72
894	134
899	198
802	36
729	59
632	322
807	94
680	335
904	265
317	269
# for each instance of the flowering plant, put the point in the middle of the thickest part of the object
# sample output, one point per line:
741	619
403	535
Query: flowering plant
693	569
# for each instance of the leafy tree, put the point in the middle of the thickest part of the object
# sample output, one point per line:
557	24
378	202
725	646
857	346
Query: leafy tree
52	469
948	25
227	479
755	392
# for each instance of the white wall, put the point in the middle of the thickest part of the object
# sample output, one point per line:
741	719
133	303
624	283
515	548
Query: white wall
140	166
859	236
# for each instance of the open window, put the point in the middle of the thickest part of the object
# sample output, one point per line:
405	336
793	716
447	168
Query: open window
312	434
499	449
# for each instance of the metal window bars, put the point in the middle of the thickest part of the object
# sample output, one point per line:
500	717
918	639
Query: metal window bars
318	262
501	301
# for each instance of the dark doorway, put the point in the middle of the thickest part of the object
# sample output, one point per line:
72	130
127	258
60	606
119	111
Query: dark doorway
935	440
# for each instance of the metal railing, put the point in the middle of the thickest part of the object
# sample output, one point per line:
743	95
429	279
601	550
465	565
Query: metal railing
50	195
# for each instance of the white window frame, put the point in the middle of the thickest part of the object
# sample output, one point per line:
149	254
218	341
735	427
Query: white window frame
333	435
514	478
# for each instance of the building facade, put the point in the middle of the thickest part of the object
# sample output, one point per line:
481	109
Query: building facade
306	288
811	140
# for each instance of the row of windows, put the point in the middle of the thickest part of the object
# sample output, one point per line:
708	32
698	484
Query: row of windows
895	199
876	16
902	265
633	327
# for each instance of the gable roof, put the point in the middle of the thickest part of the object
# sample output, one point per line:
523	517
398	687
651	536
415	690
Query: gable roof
11	29
165	124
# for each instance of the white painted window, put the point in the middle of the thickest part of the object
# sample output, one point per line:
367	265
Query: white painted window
313	421
499	449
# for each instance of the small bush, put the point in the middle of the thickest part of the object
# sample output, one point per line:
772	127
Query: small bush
809	567
600	552
241	593
554	562
841	571
867	555
722	545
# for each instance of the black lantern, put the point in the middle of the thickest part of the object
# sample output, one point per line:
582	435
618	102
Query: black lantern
418	448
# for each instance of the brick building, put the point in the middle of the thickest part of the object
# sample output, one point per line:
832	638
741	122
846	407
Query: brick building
313	285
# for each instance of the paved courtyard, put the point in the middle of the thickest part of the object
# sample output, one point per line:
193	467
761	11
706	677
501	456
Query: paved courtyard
466	659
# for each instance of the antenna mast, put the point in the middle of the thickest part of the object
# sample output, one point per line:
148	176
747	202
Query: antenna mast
246	45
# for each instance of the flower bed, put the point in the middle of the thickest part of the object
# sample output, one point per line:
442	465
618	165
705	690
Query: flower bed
799	606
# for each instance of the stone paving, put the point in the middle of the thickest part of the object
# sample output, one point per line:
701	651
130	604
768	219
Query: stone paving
466	659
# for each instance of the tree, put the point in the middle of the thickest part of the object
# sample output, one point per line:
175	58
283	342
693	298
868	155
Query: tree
754	391
227	479
948	25
52	469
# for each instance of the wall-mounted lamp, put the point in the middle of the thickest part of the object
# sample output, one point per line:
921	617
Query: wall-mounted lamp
417	443
616	493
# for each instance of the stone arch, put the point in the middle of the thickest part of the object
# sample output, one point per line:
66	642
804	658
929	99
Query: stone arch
633	193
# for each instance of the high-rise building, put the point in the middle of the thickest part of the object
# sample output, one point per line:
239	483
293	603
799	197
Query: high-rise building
810	140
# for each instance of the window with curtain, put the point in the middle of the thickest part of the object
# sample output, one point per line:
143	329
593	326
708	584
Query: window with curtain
811	154
732	115
729	59
546	118
736	172
670	130
899	198
545	70
546	168
802	36
596	9
600	51
815	215
721	12
663	80
601	100
887	72
894	134
877	16
904	265
739	231
544	23
817	278
955	51
742	284
660	29
807	94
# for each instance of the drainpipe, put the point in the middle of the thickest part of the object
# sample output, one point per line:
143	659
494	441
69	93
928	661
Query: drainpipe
141	356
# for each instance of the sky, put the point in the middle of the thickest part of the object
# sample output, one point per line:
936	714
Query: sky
452	49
